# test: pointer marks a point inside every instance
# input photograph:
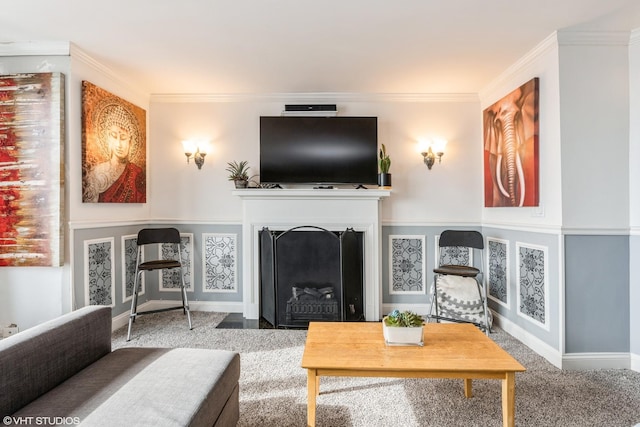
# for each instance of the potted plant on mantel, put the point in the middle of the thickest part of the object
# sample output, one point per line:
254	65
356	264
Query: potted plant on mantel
239	173
402	328
384	178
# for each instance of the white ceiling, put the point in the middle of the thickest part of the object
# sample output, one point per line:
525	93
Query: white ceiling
308	46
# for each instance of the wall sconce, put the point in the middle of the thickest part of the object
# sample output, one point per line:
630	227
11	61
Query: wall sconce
193	149
430	149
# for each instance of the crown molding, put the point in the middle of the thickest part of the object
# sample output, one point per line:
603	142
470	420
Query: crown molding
634	38
35	48
555	40
81	56
593	38
520	66
319	97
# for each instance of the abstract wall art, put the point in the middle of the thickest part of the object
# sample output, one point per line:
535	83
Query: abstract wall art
511	160
31	173
114	153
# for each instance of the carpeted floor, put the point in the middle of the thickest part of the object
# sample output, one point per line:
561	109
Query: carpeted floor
273	385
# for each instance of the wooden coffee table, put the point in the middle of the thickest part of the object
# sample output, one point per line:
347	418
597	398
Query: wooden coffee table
451	350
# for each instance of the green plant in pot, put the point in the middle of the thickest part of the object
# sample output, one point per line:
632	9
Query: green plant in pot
403	328
239	173
384	162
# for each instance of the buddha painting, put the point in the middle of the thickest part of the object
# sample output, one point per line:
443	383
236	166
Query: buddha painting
114	148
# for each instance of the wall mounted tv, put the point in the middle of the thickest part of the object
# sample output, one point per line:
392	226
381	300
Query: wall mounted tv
318	150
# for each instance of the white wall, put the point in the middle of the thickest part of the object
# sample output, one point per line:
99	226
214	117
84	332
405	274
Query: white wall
594	93
85	68
449	193
19	285
634	195
541	62
634	132
31	295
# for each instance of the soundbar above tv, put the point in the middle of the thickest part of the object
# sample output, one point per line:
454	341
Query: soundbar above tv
318	150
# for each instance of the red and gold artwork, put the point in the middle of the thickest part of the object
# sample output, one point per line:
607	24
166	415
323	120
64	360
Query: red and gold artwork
31	178
114	153
511	149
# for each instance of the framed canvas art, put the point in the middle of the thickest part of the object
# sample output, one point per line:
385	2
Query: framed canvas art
31	173
114	148
511	149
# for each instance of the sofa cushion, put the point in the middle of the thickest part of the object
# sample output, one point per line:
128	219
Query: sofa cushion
146	387
36	360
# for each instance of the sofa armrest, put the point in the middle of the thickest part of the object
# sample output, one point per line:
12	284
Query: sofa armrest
38	359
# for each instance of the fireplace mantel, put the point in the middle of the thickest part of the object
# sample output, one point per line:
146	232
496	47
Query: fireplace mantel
333	209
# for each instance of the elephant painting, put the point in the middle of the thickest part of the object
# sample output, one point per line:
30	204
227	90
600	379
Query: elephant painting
511	149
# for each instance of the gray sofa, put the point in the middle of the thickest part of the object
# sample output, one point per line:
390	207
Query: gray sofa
64	372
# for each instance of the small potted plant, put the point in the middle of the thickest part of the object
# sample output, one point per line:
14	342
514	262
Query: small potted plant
384	178
239	173
402	328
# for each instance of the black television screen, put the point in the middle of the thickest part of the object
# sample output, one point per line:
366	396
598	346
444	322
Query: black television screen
318	150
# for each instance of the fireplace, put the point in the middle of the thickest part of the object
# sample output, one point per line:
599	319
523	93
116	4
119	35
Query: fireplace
332	209
308	273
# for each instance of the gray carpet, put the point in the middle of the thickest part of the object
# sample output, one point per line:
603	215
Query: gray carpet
273	385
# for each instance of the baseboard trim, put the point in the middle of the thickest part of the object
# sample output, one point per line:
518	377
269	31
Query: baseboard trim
634	362
540	347
584	361
568	361
217	306
552	355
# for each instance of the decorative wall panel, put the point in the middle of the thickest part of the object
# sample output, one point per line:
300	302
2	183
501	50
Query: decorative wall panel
453	255
99	272
170	279
498	270
220	262
407	265
533	286
129	253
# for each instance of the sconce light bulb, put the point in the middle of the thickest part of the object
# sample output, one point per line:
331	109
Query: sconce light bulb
429	158
199	158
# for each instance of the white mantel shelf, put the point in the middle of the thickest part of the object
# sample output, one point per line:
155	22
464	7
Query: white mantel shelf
332	209
310	193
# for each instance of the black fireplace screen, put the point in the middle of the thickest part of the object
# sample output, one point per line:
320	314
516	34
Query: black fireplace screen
311	274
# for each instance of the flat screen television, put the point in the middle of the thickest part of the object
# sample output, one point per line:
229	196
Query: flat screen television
318	150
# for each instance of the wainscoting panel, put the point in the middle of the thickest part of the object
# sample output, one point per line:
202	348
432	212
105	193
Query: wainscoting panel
497	270
533	283
597	288
407	265
454	255
121	272
99	278
129	254
170	279
220	262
